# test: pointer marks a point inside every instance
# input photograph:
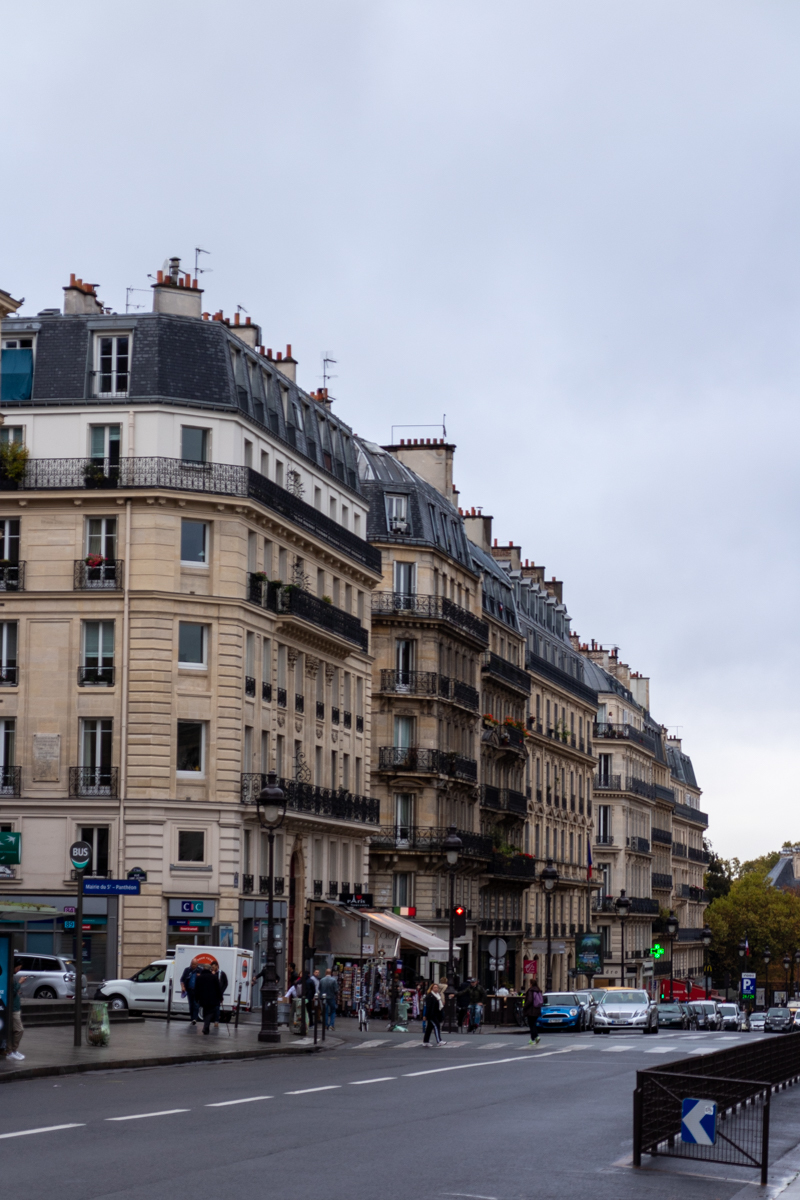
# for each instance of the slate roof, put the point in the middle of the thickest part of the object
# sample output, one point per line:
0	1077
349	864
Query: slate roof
782	874
680	766
498	593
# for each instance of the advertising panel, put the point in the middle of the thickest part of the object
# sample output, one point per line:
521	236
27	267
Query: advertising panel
588	953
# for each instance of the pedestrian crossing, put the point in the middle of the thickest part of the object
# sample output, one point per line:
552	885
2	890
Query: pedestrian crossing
698	1043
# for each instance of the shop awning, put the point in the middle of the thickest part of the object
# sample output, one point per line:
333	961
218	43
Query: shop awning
414	936
20	908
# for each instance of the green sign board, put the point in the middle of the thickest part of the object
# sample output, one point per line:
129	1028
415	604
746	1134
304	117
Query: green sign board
588	953
10	848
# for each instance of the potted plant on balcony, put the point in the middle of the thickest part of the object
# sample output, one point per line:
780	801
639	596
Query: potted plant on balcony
95	476
95	560
13	464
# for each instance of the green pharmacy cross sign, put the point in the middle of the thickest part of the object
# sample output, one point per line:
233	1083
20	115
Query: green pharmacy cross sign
657	951
10	849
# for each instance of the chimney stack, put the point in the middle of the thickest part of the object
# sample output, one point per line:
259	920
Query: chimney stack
286	364
177	293
81	298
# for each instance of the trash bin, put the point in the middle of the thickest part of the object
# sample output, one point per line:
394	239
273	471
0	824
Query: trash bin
98	1029
297	1015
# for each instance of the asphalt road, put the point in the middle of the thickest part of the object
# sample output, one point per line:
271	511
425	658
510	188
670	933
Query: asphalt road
483	1117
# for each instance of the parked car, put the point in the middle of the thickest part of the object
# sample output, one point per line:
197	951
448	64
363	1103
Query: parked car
756	1022
797	1018
562	1010
589	1006
673	1015
48	977
706	1014
626	1008
732	1017
149	989
779	1020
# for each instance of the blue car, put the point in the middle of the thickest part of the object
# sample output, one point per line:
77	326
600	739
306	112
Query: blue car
562	1010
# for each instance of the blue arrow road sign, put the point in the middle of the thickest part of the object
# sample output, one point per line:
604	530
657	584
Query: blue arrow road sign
111	887
699	1122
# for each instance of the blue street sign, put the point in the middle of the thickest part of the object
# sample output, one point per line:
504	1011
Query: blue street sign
111	887
748	985
699	1122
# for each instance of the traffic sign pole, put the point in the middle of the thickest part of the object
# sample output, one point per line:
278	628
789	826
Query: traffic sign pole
80	854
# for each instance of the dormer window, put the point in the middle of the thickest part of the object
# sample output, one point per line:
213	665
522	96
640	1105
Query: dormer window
112	365
397	514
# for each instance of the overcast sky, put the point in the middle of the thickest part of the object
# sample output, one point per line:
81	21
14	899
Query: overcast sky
571	227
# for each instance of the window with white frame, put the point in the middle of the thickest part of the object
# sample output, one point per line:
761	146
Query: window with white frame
8	729
190	761
104	443
101	538
192	645
397	513
402	889
97	665
194	543
97	837
8	653
96	746
112	364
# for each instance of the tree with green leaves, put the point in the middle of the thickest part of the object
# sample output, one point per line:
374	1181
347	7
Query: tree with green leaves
764	916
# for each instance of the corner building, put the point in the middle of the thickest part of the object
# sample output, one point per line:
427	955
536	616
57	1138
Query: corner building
186	591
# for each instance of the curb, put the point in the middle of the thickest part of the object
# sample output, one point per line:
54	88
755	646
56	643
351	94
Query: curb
164	1060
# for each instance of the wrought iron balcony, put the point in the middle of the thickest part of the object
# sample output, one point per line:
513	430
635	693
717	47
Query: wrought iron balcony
604	839
10	781
660	881
694	893
333	888
429	838
288	600
281	697
315	801
299	702
277	885
686	813
247	884
266	692
506	672
436	608
639	844
249	685
503	799
701	856
680	850
420	759
625	732
9	676
541	666
334	715
520	866
94	781
320	710
348	719
317	889
664	793
429	683
12	577
95	676
359	724
105	577
641	905
663	836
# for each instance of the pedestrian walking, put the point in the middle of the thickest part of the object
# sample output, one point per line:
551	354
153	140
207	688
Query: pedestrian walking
223	983
16	1014
434	1007
310	994
329	990
477	999
531	1011
188	981
208	993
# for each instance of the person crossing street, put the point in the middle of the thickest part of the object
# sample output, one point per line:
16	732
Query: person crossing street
532	1011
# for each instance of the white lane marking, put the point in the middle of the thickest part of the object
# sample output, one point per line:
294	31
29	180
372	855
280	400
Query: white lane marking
245	1100
329	1087
485	1046
470	1195
405	1045
43	1129
616	1049
381	1079
165	1112
659	1050
366	1045
493	1062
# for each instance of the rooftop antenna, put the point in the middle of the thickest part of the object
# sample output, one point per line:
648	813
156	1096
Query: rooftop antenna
241	308
326	362
442	427
128	304
198	250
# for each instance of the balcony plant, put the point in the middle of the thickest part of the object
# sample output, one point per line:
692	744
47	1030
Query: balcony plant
95	475
95	560
13	464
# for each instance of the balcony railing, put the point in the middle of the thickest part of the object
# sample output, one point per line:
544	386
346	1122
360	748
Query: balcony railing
503	799
427	761
220	479
693	893
95	676
106	577
626	732
320	710
641	905
639	844
540	666
664	793
520	866
315	801
299	702
94	781
347	721
608	783
334	715
680	850
288	600
701	856
12	577
429	838
247	884
498	668
686	813
249	686
9	676
359	724
266	692
660	881
277	885
661	835
429	683
437	608
10	781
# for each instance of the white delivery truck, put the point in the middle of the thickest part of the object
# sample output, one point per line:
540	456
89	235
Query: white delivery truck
157	987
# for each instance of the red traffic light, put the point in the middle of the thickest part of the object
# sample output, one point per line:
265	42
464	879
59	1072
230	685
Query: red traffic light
459	910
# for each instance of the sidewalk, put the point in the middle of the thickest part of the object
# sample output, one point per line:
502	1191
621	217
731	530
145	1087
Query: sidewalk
154	1043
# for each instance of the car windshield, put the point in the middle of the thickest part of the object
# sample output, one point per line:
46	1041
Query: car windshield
670	1008
625	997
779	1012
728	1010
598	993
560	999
585	997
705	1008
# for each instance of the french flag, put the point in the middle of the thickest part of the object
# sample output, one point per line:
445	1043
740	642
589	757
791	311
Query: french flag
588	858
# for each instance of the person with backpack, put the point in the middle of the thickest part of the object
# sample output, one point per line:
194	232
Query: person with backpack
188	981
532	1010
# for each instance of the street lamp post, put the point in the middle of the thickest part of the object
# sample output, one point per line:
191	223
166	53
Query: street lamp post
787	963
797	961
451	845
767	957
673	924
622	905
707	937
271	811
549	878
742	955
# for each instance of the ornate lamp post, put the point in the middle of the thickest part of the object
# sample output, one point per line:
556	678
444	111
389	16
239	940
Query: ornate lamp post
673	925
451	845
622	906
742	948
271	811
767	957
797	962
707	938
787	963
549	878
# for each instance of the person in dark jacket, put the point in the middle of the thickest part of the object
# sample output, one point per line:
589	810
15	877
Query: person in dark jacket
208	993
434	1008
188	980
532	1009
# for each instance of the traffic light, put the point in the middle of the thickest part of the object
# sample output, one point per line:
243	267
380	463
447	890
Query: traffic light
459	920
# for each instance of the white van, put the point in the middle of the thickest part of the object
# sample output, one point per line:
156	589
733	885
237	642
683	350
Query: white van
150	989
